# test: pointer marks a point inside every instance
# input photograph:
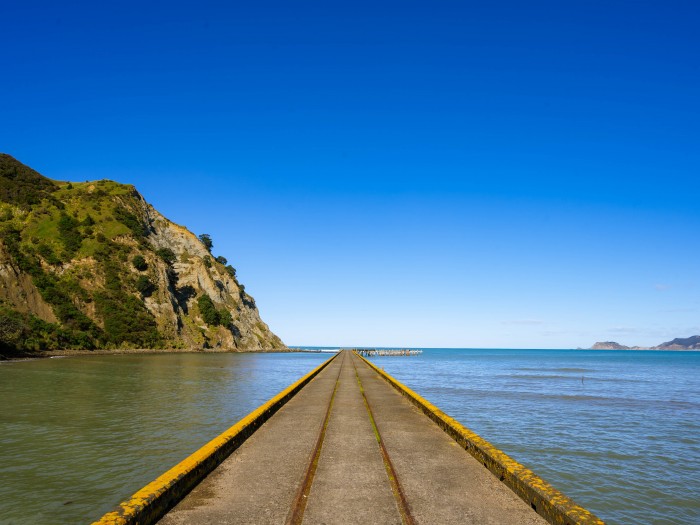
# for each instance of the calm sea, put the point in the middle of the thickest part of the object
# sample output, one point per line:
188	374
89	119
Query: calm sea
619	432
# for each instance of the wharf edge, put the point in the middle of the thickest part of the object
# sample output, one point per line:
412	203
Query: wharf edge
547	501
153	501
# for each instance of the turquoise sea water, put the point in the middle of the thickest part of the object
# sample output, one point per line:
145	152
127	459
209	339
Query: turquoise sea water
619	432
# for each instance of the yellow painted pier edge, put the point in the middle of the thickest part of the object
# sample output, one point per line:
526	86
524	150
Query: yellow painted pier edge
154	500
547	501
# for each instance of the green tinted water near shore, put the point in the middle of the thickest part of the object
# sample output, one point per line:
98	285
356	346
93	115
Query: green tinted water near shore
79	435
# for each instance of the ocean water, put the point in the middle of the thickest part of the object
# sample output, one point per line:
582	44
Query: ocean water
618	432
79	435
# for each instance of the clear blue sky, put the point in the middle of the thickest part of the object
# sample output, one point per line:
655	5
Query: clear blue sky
468	174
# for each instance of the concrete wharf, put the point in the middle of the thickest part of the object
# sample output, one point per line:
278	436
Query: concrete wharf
348	444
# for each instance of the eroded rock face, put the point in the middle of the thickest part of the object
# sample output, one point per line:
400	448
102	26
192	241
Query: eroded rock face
175	304
18	289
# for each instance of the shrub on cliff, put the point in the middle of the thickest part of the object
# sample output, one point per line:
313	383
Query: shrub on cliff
167	255
131	221
24	332
210	315
126	320
69	234
206	241
145	286
139	263
225	318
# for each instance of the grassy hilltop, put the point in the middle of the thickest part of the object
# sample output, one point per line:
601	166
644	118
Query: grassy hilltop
91	265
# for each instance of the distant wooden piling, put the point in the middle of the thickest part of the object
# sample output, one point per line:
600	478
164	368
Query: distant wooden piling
382	352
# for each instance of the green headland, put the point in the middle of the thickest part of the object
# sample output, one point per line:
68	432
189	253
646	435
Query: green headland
92	265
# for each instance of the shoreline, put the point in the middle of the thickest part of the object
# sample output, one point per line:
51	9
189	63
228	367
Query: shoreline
48	354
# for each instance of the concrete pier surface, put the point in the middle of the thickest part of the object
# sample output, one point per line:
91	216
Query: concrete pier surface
349	448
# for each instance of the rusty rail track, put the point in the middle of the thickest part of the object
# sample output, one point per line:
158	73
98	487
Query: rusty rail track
296	515
396	489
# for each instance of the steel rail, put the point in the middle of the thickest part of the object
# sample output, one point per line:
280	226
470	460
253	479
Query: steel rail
396	489
296	515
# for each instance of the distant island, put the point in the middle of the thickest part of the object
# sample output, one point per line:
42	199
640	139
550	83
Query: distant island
680	343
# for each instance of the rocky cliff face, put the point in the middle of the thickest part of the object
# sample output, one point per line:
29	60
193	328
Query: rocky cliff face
193	274
93	265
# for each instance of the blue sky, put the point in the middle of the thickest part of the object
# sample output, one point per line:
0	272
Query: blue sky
392	173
